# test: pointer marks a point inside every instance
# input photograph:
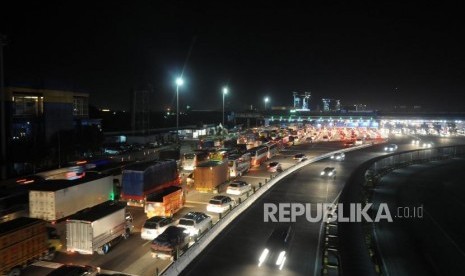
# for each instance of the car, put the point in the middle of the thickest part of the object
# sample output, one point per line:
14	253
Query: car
358	142
220	204
195	223
427	145
416	142
75	270
274	167
339	156
154	226
169	242
349	144
325	138
276	247
238	188
391	147
329	172
300	157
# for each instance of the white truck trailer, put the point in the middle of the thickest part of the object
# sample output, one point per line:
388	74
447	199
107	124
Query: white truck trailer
99	228
52	200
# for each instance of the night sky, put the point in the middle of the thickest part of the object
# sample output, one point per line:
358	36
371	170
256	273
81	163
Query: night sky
359	53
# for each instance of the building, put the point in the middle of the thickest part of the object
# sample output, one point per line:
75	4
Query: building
360	107
304	98
331	105
33	118
42	112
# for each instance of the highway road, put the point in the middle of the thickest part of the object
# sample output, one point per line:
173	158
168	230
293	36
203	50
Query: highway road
133	256
237	250
430	242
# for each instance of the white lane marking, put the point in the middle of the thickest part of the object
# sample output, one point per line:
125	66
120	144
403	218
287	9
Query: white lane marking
47	264
145	243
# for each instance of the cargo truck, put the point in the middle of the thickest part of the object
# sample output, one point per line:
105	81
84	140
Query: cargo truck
164	203
52	200
99	228
208	175
23	241
142	179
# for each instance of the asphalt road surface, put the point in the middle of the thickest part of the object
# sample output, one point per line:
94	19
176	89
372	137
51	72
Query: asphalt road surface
430	240
237	250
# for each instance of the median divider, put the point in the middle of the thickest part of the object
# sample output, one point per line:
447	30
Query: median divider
185	259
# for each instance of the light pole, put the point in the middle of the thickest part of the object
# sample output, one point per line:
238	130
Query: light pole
225	91
266	101
179	82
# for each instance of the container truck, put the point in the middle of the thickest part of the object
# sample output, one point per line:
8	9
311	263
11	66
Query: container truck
142	179
52	200
208	175
22	241
99	228
165	202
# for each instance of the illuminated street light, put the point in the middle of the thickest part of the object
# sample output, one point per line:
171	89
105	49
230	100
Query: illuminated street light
179	82
225	91
266	101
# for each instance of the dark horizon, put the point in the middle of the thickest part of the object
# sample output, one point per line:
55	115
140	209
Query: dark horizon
377	54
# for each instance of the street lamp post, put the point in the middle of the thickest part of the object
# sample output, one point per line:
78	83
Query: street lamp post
266	101
179	82
225	91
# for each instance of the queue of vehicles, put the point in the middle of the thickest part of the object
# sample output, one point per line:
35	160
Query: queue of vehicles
155	186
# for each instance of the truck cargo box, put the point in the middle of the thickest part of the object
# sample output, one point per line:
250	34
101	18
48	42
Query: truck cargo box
142	179
208	175
165	202
92	228
22	241
55	199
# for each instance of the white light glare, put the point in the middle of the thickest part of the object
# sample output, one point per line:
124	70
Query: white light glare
263	256
280	257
